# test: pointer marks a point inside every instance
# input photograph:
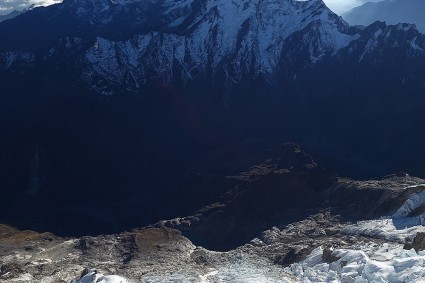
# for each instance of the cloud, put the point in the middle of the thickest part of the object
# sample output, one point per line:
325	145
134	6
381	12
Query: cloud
7	6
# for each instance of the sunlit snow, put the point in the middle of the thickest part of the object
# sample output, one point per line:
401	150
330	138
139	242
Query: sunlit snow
399	227
8	6
385	263
93	277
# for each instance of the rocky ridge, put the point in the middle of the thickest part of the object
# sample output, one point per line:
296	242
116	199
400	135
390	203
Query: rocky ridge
158	254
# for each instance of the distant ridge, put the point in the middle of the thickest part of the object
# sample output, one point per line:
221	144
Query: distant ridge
392	12
11	15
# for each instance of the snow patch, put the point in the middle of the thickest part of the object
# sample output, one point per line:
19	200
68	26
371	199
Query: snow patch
414	45
405	26
93	277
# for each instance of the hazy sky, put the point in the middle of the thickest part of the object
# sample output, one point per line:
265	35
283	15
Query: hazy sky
341	6
7	6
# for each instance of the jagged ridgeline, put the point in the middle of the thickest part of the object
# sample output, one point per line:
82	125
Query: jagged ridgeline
390	11
101	99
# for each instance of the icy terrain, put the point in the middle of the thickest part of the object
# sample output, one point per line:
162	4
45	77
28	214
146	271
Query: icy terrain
388	262
363	263
363	260
402	225
94	277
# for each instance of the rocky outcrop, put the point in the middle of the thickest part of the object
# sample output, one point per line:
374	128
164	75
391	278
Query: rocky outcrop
158	254
261	185
418	242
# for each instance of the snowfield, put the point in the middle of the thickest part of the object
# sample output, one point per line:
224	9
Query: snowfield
388	262
402	225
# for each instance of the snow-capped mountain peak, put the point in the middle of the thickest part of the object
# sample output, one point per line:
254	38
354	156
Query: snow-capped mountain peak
125	45
212	36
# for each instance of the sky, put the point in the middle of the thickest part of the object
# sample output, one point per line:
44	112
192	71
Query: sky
341	6
7	6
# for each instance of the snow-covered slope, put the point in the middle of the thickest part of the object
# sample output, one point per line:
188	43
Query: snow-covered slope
93	277
366	262
402	225
363	263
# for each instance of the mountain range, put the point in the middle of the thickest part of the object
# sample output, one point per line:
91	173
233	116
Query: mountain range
390	11
104	100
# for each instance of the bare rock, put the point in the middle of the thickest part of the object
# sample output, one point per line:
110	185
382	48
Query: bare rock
418	243
328	256
10	270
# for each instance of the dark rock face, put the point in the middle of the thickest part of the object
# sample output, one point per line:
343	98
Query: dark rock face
418	243
292	255
328	257
12	270
231	195
250	171
258	185
85	243
276	186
